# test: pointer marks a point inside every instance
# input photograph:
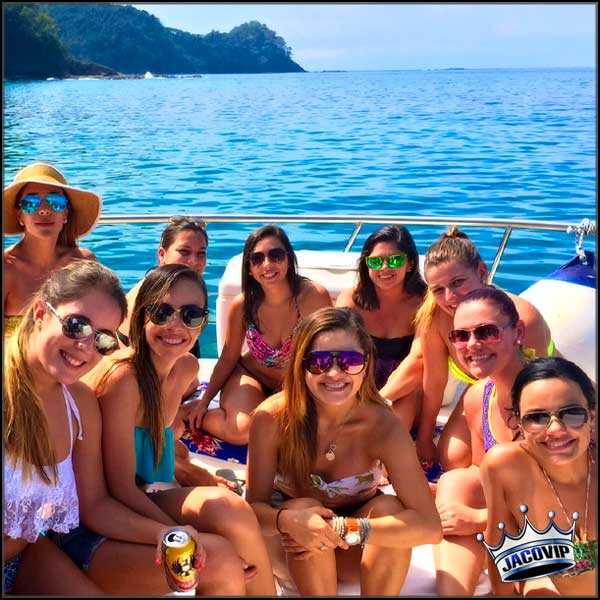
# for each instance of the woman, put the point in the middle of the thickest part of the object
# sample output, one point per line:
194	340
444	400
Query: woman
140	395
453	268
51	216
53	471
487	336
551	468
183	242
307	443
388	295
265	315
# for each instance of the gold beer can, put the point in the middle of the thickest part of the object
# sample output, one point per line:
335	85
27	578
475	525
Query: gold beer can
178	549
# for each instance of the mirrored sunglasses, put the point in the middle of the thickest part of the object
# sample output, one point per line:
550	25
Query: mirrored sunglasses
537	421
191	315
31	202
349	361
394	261
487	334
79	328
274	255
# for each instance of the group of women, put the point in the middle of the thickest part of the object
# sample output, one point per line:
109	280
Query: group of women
326	398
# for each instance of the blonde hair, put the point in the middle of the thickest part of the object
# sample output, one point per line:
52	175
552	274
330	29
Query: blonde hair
26	438
453	244
297	415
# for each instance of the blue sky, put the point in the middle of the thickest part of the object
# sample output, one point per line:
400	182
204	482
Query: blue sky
409	36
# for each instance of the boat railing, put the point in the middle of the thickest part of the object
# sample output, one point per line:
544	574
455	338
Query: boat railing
585	227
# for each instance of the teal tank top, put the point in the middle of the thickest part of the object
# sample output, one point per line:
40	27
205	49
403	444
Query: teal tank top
144	457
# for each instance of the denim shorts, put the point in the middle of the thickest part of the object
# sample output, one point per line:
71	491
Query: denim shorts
10	568
79	545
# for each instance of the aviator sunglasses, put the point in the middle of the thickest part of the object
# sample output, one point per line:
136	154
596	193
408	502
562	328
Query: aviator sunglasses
395	261
349	361
488	333
191	315
31	202
537	421
79	328
275	255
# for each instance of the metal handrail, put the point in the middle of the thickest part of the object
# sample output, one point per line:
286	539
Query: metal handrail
507	224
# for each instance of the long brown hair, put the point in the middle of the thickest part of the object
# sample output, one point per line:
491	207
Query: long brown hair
253	292
26	438
154	287
297	415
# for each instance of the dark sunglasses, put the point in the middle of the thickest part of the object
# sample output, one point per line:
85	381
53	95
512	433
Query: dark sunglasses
488	333
80	328
31	202
191	315
349	361
395	261
574	417
274	254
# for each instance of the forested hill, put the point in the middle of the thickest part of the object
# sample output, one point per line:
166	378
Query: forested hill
131	41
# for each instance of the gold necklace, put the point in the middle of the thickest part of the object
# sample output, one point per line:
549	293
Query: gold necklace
587	497
330	454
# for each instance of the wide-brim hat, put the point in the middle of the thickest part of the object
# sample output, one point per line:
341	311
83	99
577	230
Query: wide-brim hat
84	207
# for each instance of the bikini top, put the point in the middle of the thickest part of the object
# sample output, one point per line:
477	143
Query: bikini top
489	441
144	457
264	353
340	492
34	506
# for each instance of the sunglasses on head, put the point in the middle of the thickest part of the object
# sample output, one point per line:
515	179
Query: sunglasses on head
181	219
31	202
349	361
395	261
274	255
80	328
537	421
488	333
191	315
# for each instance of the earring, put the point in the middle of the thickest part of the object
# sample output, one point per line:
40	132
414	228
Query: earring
21	223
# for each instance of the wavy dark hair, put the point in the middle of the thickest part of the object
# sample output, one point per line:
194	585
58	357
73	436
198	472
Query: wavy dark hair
179	223
253	292
501	299
365	293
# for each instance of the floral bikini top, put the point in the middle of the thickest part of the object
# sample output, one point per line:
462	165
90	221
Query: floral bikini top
340	492
264	353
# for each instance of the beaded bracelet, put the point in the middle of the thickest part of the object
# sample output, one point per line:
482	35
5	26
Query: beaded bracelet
365	530
277	518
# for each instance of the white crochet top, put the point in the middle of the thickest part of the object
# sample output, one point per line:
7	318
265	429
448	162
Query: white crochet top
34	506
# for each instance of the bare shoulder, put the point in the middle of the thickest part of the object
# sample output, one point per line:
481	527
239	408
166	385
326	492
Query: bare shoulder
500	456
187	367
85	399
385	430
237	304
527	311
266	411
313	296
345	298
472	400
70	253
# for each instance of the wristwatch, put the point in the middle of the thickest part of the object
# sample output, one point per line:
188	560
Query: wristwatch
352	536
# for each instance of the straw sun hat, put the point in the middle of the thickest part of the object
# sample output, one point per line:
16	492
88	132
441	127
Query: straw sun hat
85	207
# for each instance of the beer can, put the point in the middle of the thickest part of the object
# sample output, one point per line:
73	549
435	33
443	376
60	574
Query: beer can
178	549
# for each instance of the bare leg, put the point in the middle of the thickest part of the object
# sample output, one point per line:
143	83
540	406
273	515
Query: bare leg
123	568
47	570
459	558
406	407
239	397
382	569
454	445
222	512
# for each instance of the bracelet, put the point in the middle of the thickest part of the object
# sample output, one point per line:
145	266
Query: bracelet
365	529
277	518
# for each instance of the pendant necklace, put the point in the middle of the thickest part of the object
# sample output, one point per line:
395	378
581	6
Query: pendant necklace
330	454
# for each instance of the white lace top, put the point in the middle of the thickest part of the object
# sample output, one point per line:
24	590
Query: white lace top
34	506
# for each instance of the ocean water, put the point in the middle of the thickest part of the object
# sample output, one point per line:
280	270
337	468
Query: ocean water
452	143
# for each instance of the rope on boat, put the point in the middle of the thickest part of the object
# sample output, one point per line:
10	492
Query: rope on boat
586	227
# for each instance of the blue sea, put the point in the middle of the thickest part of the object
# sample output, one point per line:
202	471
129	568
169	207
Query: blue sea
458	143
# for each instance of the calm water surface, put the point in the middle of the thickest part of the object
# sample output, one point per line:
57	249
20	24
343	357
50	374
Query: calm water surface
476	143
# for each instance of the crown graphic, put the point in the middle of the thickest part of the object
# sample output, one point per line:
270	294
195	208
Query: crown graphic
533	553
